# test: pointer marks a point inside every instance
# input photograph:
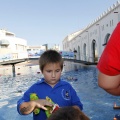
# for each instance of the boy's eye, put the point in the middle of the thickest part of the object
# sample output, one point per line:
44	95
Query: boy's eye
51	71
57	70
48	70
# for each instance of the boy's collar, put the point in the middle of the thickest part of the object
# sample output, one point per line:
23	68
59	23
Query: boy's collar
42	80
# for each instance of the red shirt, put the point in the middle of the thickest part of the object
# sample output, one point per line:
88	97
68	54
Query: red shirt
109	62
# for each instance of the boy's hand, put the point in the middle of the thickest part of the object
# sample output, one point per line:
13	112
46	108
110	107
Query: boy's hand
28	107
42	103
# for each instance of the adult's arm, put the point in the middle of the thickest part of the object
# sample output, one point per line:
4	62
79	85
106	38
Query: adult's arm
110	84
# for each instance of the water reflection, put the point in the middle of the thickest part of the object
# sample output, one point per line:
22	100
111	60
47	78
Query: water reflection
98	104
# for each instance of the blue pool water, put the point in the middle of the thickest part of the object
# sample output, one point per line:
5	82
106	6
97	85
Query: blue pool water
98	104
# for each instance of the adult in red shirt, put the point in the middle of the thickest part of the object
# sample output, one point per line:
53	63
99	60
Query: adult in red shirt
109	64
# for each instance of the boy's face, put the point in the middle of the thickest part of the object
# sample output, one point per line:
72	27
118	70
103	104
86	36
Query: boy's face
52	73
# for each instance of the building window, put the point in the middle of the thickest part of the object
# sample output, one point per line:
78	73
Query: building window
3	46
119	17
102	27
16	46
112	22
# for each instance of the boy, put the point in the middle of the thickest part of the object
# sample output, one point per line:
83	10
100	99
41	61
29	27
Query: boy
51	85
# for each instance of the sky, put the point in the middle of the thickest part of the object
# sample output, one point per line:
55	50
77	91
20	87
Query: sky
49	21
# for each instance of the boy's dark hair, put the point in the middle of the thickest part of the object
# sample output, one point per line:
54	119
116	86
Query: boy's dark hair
68	113
50	56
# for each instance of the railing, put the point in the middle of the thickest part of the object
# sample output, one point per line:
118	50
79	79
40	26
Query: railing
88	59
13	61
80	61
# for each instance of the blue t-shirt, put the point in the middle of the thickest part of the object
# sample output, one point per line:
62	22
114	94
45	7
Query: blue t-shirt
62	94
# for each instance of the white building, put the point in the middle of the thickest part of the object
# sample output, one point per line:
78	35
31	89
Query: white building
36	48
12	47
35	51
90	42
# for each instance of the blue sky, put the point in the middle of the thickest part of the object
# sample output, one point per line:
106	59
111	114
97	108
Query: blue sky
49	21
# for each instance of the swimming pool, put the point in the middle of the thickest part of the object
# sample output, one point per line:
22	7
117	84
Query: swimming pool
98	104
